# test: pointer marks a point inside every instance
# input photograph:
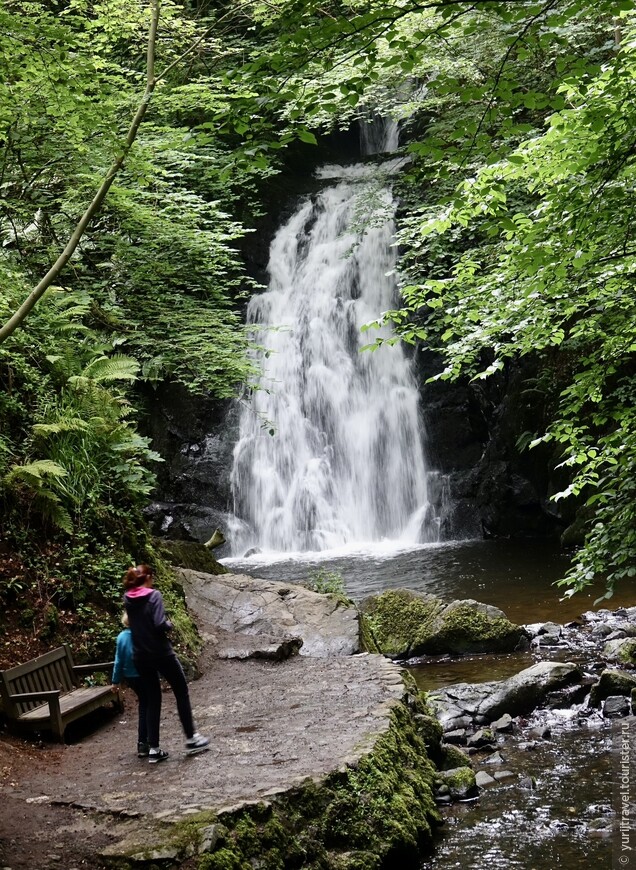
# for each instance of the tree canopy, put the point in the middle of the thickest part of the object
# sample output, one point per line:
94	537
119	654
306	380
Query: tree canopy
515	226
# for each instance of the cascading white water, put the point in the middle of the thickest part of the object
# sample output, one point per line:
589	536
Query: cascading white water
330	448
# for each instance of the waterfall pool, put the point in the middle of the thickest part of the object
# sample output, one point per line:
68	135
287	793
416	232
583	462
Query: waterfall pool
517	576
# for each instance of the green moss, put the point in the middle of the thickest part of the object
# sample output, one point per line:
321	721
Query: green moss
368	642
395	617
224	859
459	778
354	861
403	623
189	554
464	629
453	757
627	652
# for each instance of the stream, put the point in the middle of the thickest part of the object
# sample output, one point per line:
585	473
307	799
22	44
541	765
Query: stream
563	821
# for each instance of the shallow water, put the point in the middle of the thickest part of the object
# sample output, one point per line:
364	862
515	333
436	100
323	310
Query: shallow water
551	826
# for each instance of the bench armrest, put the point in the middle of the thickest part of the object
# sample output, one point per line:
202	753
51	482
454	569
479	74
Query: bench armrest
52	698
36	696
89	669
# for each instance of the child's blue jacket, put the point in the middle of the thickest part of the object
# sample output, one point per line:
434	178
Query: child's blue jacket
124	664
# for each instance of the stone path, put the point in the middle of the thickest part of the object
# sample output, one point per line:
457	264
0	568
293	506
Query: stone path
271	725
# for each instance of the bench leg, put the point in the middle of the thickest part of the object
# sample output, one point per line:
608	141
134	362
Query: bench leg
57	723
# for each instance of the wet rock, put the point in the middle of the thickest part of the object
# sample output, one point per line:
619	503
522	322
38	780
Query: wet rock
528	782
503	774
622	650
602	630
503	724
542	733
545	633
481	738
566	697
616	706
516	696
460	781
483	779
495	758
443	798
405	623
474	750
611	682
458	736
548	635
233	604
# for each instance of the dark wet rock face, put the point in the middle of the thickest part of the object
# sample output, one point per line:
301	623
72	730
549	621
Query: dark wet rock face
195	436
493	489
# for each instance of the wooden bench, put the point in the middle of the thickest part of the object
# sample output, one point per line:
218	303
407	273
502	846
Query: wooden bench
45	693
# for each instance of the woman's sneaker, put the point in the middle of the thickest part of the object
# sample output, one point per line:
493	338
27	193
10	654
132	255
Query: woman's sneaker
197	743
155	755
142	750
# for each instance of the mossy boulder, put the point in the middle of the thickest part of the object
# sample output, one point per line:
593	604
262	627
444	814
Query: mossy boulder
453	757
612	682
189	554
460	782
621	650
403	623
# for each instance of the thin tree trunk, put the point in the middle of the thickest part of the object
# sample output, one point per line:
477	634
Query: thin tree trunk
36	294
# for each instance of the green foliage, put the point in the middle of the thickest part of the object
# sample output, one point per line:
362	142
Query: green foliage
516	230
327	583
532	253
152	291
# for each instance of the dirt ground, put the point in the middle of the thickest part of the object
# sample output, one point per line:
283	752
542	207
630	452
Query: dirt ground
271	726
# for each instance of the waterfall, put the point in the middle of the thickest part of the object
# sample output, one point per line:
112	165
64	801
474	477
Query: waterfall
330	448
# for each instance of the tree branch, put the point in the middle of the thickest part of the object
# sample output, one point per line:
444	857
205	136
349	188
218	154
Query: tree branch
151	82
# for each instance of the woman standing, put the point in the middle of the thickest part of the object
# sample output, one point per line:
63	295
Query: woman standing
154	658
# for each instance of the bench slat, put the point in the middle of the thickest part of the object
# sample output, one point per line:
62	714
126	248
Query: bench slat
71	701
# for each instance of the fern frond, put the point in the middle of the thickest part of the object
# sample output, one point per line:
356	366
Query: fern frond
34	471
114	368
48	504
70	424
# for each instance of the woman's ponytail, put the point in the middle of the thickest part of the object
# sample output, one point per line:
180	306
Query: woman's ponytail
135	577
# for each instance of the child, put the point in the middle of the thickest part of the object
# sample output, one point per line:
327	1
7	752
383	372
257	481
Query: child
125	668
